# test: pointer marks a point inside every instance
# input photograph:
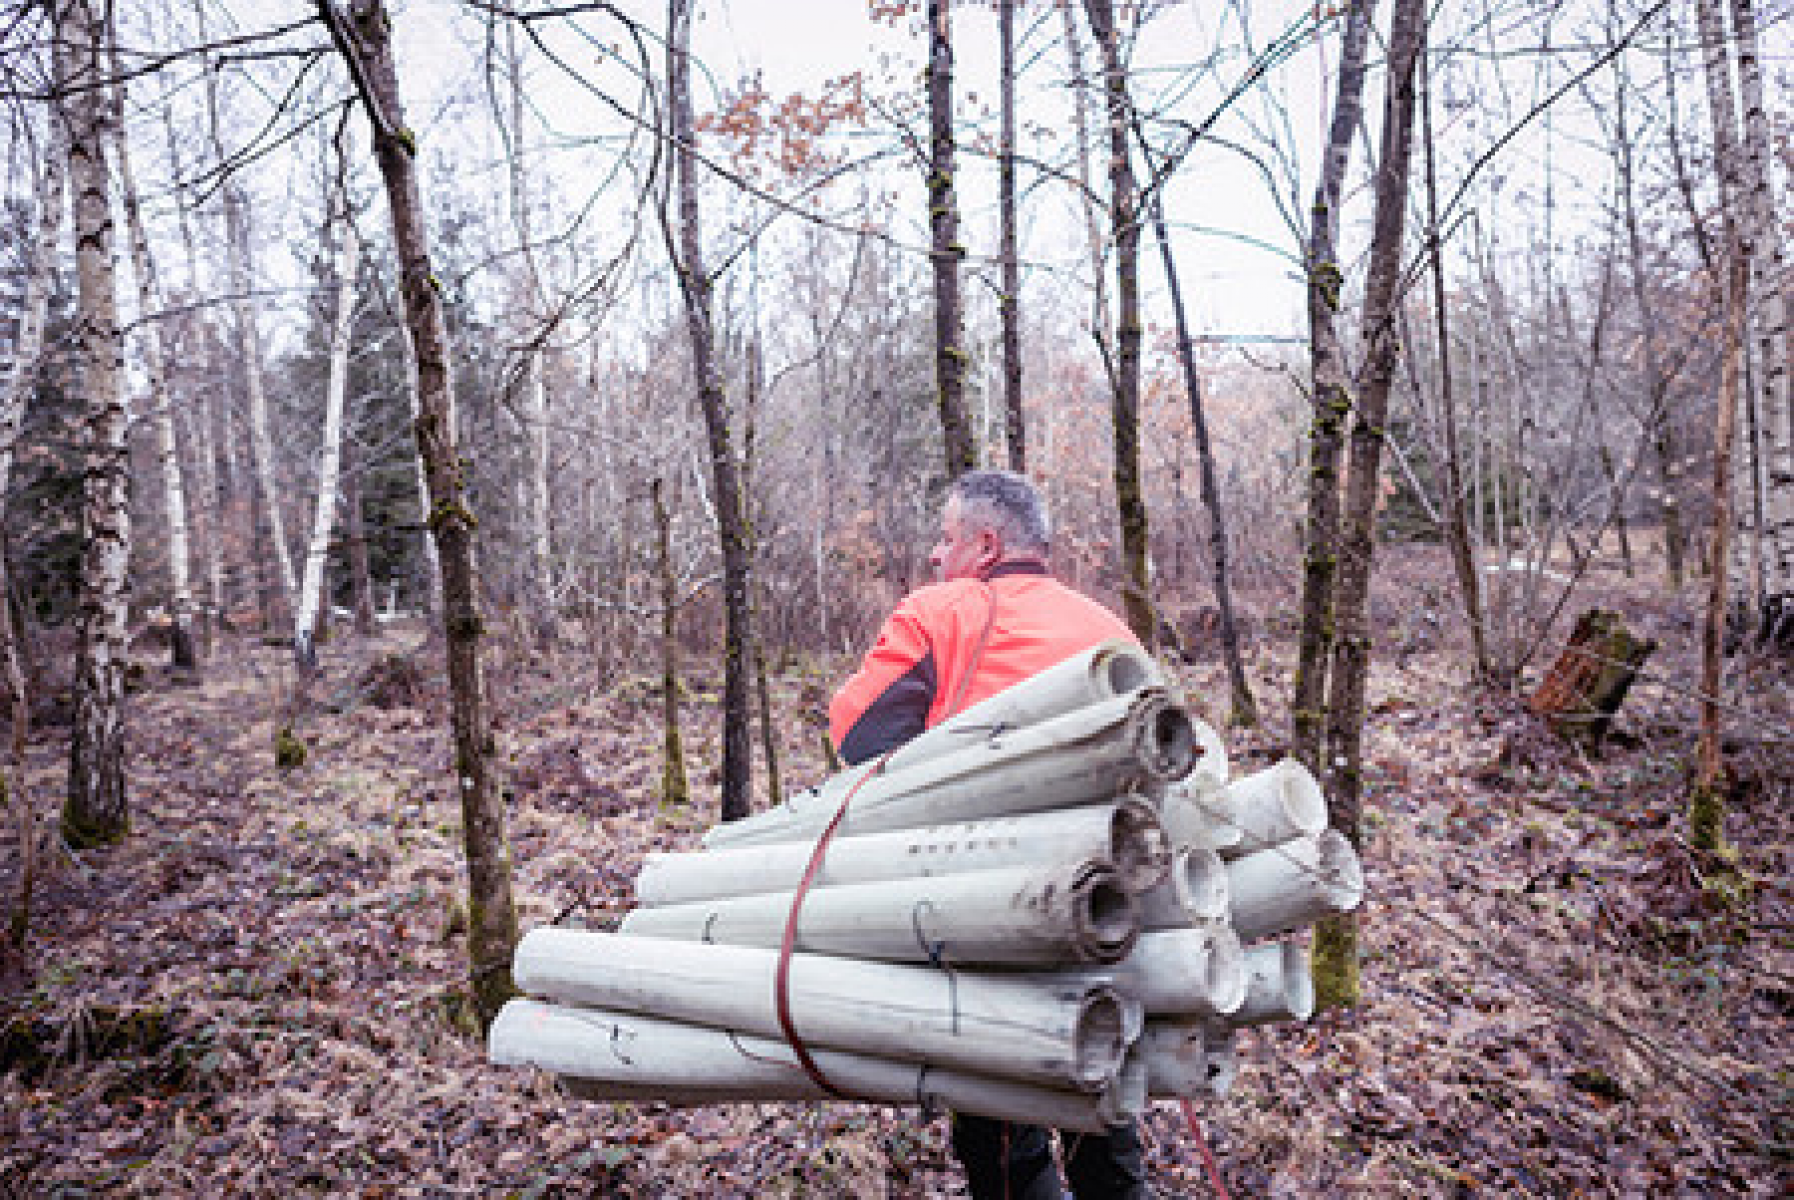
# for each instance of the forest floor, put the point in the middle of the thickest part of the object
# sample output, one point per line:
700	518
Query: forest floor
254	994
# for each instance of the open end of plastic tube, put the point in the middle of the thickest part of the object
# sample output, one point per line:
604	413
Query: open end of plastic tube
1125	671
1101	1038
1172	748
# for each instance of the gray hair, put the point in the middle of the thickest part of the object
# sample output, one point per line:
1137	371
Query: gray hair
1007	504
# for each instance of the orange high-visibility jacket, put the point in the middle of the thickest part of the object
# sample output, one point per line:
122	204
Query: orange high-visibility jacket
913	672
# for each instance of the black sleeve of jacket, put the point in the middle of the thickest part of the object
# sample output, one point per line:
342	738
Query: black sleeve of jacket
899	714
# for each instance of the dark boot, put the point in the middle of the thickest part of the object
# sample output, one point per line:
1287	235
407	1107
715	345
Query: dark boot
1106	1167
1004	1161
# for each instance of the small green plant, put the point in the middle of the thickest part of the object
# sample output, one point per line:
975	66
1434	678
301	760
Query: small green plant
289	750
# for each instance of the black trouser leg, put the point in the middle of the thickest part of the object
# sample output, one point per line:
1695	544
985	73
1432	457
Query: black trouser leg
1004	1161
1106	1167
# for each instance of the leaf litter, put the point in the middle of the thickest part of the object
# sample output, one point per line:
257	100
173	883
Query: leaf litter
1554	1003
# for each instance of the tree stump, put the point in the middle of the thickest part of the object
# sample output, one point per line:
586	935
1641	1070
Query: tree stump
1589	681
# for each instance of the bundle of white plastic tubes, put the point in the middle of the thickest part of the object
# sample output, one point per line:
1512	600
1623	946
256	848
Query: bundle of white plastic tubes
1033	911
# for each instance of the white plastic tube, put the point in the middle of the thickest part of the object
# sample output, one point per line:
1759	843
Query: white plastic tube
1107	670
1011	916
1066	1036
1136	742
1293	884
626	1056
1125	832
1177	972
1279	985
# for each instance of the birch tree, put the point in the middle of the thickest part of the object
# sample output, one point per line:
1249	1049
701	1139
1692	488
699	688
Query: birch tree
363	36
1770	300
201	420
1706	818
241	258
97	808
28	349
531	329
160	401
339	226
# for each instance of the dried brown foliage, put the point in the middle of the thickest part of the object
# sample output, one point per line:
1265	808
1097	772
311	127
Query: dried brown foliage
1557	1002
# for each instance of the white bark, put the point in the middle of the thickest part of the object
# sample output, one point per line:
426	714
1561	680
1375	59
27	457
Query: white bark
1134	742
34	311
531	315
1125	833
1770	318
160	408
623	1056
249	345
1012	916
207	512
97	808
1295	884
1069	1037
305	618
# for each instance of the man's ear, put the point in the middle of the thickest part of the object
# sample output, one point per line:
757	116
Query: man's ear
990	547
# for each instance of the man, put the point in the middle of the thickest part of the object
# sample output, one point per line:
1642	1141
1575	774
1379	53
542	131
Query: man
993	618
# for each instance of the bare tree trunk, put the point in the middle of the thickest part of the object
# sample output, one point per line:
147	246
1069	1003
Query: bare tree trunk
433	573
769	734
1008	305
364	39
1771	289
534	416
207	511
97	809
1457	524
361	583
1130	501
673	786
1093	231
261	441
1244	710
1336	939
330	453
946	251
160	401
1706	818
731	521
1656	378
1329	397
28	348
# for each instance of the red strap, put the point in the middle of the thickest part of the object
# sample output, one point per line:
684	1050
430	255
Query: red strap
781	976
1208	1156
965	678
